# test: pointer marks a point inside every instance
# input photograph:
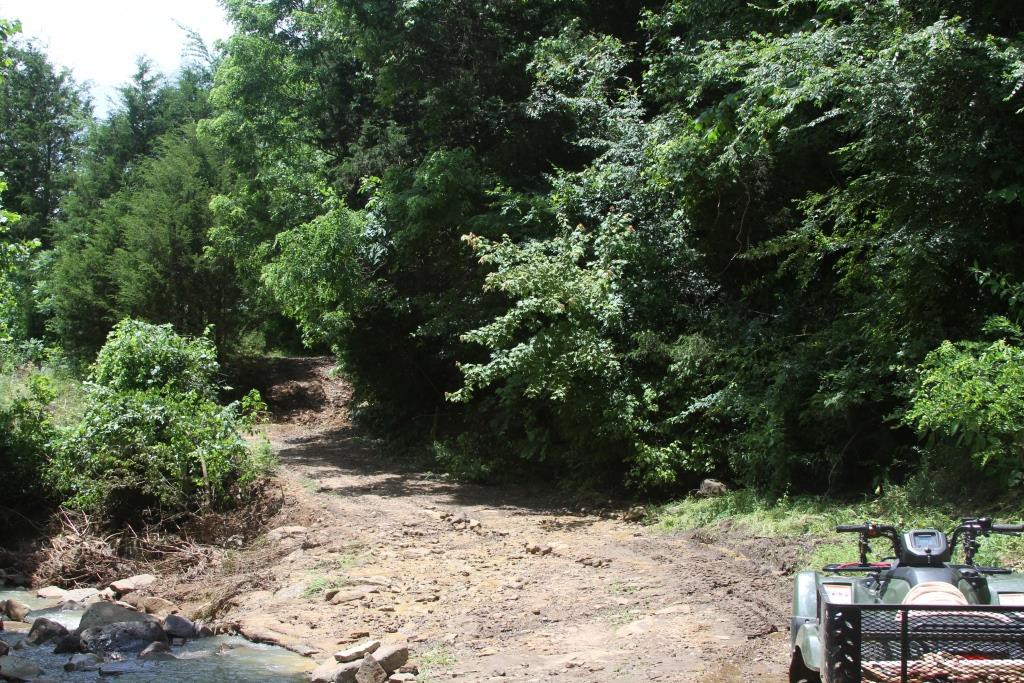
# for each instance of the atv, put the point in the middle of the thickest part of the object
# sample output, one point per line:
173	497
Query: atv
914	617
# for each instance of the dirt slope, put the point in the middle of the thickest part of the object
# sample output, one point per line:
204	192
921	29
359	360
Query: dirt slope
533	592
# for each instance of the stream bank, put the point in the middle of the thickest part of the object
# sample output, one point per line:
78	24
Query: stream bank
216	658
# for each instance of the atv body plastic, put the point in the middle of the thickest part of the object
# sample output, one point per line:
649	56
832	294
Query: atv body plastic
983	641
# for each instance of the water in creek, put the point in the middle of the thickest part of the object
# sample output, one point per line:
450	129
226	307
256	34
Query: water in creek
221	659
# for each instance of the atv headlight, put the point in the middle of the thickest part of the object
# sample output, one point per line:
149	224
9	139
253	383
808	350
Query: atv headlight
1012	599
839	593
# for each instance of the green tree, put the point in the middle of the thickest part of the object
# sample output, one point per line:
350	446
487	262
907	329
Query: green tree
418	115
808	199
42	115
134	238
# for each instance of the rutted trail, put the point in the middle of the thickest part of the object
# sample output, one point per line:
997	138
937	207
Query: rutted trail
487	581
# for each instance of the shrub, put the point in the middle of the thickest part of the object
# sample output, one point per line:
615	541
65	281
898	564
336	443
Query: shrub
152	438
148	449
25	428
139	355
969	402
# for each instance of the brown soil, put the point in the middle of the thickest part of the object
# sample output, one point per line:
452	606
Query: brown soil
475	603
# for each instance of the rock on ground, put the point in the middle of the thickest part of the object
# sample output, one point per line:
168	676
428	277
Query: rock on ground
44	630
132	583
14	610
370	671
78	595
711	487
83	662
68	644
338	597
129	636
18	669
635	514
178	627
151	604
392	657
354	652
286	532
334	672
50	592
103	613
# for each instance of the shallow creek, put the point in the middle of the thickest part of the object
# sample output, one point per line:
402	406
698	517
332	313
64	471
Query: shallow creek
221	659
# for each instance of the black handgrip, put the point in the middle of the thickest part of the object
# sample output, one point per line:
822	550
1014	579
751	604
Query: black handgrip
850	528
1008	528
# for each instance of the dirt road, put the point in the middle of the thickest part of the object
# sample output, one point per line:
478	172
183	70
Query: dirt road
486	582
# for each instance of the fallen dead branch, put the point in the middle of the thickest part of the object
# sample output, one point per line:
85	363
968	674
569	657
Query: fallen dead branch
81	552
79	555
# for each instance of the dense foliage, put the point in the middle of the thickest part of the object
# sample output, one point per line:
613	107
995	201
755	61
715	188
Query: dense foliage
152	437
139	356
631	241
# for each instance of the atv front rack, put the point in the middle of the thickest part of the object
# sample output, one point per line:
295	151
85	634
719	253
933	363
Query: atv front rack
922	643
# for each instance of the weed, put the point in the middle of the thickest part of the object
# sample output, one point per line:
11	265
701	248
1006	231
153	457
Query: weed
433	660
322	584
337	563
229	561
620	617
618	588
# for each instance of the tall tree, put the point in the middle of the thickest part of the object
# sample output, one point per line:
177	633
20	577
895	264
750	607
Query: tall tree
134	230
43	113
415	113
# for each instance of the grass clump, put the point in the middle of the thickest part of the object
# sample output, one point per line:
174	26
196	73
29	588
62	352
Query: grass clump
322	584
337	563
437	659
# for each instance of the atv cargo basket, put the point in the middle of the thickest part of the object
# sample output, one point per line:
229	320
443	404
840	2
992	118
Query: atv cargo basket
922	644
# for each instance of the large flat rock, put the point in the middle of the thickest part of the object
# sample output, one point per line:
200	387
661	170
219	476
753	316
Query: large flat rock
104	613
125	637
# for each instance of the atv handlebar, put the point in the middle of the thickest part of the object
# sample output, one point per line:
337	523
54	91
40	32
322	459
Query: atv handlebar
972	528
870	529
967	533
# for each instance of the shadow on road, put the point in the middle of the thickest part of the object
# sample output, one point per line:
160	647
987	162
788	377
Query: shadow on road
341	452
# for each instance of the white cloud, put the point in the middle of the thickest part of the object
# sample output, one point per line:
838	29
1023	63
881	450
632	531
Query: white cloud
99	40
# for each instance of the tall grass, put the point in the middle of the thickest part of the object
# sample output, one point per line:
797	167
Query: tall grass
814	519
68	396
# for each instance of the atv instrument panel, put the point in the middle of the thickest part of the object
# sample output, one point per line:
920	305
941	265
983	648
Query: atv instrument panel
924	547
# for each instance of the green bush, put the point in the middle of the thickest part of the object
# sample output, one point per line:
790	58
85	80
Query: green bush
462	458
140	356
152	438
25	429
134	450
969	403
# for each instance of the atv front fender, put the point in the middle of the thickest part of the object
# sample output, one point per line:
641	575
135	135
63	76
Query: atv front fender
803	626
808	643
805	595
